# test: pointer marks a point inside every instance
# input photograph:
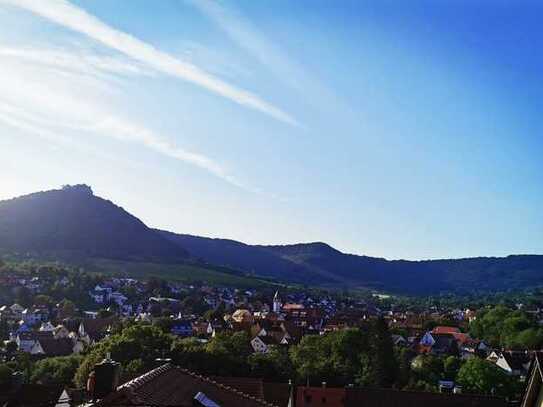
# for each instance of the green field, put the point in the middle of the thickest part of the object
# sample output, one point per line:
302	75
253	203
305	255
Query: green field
187	273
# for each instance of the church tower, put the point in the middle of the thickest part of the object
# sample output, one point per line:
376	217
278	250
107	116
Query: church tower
276	302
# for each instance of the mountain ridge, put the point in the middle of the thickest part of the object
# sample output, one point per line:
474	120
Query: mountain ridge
73	220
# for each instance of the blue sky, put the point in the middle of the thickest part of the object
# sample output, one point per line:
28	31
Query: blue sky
393	129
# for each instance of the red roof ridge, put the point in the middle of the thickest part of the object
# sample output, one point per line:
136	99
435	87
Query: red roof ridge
208	380
145	378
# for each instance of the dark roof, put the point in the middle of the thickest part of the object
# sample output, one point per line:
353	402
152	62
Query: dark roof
277	393
96	327
534	383
35	335
57	347
366	397
71	324
172	386
444	342
31	395
517	359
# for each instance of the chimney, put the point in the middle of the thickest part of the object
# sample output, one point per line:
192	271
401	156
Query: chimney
104	379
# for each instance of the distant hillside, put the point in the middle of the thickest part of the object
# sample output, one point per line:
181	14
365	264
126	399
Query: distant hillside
321	264
240	256
73	222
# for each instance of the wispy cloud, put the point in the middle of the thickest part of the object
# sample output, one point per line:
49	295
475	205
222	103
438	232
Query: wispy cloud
77	60
77	19
245	34
40	99
269	54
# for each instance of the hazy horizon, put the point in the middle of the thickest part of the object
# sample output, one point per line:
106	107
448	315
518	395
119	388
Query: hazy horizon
390	130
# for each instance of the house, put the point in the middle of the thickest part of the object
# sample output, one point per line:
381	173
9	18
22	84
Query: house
6	314
398	340
22	327
17	310
97	296
92	330
169	385
374	397
261	344
427	340
445	344
32	395
445	330
27	341
118	298
182	328
514	363
47	327
320	396
60	332
51	347
243	316
30	317
533	397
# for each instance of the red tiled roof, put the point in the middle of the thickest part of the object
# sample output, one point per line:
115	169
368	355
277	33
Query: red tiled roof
168	385
366	397
289	307
445	330
247	385
461	338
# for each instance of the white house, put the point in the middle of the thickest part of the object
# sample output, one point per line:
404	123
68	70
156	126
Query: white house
47	327
17	310
258	345
118	298
513	363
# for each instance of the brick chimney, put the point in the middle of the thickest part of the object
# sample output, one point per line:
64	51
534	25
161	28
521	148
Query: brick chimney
104	379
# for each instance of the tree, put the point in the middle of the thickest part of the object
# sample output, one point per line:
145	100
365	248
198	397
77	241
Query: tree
482	377
145	342
502	326
5	375
192	354
404	356
427	369
336	357
164	323
451	366
382	354
133	369
57	370
23	296
67	309
104	313
311	358
43	300
275	365
230	351
11	348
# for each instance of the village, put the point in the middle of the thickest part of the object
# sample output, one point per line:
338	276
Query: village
38	325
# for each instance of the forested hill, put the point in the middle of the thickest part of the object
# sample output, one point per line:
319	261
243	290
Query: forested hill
73	221
321	264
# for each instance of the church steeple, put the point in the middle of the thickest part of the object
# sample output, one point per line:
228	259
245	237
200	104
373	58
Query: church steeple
276	302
